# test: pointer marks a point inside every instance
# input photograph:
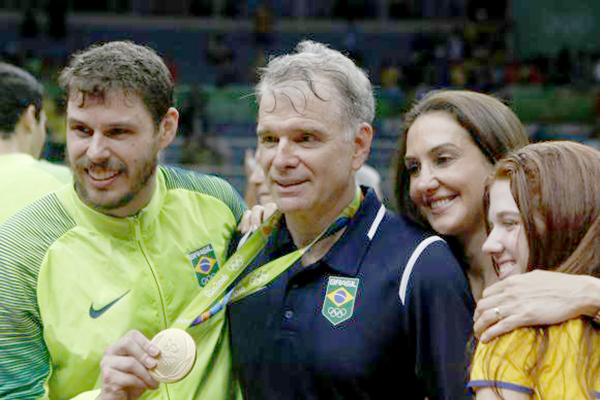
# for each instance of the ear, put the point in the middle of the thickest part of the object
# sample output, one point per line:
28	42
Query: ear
362	145
168	128
28	120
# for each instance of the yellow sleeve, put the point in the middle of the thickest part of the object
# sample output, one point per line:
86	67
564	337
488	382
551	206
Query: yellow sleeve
504	362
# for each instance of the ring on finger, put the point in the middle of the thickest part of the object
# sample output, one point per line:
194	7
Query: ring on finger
498	313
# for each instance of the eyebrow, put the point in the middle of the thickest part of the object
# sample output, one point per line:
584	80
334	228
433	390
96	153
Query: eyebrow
438	149
505	213
118	124
304	129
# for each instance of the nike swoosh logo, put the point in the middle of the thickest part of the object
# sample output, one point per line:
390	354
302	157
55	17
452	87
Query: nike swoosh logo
96	313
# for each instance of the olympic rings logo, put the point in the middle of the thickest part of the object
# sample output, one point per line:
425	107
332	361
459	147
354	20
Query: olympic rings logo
336	312
171	346
236	263
258	277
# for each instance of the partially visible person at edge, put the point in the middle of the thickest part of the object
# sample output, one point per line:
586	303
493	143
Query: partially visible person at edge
543	208
257	191
376	305
452	140
91	271
24	177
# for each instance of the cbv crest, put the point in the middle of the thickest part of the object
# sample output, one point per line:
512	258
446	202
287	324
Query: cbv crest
340	297
204	262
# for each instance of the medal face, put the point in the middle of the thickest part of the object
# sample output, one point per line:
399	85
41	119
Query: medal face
177	355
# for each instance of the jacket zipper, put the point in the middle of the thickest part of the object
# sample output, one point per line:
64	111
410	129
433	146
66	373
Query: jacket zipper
142	246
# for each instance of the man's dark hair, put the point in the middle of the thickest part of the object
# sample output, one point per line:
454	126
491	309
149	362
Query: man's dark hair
18	89
121	65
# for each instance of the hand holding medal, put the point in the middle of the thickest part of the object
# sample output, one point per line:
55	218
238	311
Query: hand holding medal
177	355
134	364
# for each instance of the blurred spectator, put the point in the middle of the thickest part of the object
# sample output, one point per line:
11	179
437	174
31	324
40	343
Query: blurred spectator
455	46
596	71
56	11
399	9
192	122
392	95
263	26
29	25
370	177
351	44
260	61
351	9
218	52
200	8
56	124
484	10
564	67
220	55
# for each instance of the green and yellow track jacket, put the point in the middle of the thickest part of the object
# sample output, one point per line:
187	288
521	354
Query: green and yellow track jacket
73	281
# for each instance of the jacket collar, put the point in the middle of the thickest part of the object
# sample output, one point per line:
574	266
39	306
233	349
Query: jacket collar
120	227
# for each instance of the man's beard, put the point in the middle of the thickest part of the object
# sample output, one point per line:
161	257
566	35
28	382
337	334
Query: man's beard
139	182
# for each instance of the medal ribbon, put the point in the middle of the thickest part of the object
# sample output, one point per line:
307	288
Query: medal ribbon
211	300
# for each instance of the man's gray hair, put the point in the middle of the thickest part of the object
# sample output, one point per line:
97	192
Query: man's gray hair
312	60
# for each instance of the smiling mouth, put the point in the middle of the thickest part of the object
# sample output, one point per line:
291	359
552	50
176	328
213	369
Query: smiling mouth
101	174
439	204
505	268
288	184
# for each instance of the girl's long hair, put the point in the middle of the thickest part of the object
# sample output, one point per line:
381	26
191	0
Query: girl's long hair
556	186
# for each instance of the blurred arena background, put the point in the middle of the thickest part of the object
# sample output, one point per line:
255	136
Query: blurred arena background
541	56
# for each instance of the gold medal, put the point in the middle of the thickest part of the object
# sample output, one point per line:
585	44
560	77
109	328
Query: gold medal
177	355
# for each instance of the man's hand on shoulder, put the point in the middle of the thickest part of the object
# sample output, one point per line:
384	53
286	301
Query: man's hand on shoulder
125	367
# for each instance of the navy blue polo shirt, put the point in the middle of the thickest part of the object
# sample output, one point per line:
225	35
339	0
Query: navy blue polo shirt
407	333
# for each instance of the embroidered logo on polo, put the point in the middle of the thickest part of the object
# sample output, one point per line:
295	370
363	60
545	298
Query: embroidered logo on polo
340	296
204	262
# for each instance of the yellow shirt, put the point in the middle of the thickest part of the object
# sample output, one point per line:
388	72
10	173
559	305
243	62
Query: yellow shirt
24	179
506	363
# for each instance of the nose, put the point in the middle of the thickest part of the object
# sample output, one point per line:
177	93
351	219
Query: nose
285	154
425	182
492	245
98	150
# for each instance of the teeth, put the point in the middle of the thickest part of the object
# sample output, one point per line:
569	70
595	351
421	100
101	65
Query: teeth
439	203
102	174
506	266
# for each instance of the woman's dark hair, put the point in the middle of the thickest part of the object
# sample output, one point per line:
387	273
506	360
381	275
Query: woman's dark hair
492	126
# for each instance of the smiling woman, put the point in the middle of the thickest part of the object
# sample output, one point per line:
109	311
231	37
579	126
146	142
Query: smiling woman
452	140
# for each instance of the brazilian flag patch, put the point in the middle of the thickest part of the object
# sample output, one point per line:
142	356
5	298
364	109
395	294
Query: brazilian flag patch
204	262
339	299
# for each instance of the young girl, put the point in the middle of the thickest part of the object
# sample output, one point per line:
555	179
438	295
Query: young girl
543	210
